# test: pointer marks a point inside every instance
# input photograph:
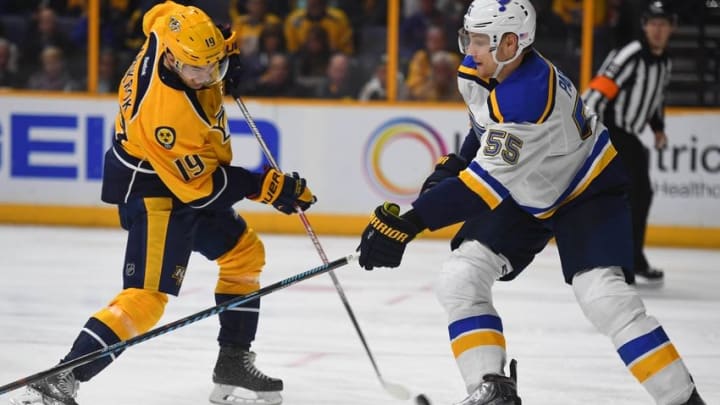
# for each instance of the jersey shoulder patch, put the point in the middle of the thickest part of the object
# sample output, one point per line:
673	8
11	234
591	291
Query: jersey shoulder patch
528	95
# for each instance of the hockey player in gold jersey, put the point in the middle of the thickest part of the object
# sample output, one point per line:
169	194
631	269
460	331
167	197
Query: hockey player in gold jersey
169	173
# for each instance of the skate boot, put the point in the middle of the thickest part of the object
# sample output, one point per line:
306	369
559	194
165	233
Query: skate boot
238	381
58	389
495	389
695	399
650	277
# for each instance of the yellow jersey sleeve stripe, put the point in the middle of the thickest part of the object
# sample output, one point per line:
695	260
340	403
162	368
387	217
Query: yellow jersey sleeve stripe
158	217
475	339
495	108
658	360
480	187
550	96
467	70
599	165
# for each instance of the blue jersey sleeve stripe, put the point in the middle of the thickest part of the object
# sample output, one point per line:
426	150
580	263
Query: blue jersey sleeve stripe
475	323
602	154
484	185
640	346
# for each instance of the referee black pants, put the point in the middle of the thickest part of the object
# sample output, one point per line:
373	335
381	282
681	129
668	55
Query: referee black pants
635	157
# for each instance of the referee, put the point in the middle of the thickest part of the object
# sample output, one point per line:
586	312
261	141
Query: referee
629	93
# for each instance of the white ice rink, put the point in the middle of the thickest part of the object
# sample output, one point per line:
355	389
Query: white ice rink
52	279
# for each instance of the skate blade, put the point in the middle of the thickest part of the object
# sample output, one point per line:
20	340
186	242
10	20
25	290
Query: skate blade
231	395
649	284
31	397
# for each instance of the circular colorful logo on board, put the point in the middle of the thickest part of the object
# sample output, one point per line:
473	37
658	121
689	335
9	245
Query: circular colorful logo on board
399	155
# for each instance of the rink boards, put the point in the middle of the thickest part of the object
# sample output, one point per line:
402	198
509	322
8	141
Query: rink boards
355	156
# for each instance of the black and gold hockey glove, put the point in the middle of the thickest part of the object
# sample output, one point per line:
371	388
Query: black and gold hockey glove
447	166
284	191
385	237
235	73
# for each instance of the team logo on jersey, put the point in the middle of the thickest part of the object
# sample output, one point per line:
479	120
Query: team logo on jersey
130	269
165	137
174	24
179	274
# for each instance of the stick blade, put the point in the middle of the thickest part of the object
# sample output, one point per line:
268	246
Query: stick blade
397	391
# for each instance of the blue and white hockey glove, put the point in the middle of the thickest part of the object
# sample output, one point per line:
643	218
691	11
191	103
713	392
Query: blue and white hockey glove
384	239
447	166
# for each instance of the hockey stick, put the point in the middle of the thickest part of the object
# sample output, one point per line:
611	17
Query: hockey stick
395	390
161	330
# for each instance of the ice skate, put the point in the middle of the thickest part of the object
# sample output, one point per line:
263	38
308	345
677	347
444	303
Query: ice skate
238	381
650	277
695	399
495	389
59	389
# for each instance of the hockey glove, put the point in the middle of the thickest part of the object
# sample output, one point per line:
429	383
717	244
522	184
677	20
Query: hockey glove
447	166
234	75
284	191
385	237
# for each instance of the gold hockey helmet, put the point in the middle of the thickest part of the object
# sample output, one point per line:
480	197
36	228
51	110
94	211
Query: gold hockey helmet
198	45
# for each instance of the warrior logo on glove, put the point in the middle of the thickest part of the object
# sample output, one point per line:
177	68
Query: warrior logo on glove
385	237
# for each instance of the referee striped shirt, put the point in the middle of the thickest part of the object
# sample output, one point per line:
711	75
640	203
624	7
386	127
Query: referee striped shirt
629	90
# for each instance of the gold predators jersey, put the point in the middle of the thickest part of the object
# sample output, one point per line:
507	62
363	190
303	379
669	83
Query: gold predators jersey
170	140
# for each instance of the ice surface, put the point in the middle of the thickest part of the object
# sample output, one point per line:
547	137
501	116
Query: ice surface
54	278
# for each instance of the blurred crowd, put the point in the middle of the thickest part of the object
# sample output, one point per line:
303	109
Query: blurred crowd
328	49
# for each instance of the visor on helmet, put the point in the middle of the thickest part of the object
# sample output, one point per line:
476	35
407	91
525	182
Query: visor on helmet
208	75
479	42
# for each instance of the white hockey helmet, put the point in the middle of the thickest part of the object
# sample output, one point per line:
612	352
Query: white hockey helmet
495	18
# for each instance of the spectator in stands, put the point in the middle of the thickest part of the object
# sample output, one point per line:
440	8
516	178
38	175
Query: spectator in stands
280	8
44	33
311	60
414	29
8	72
109	72
53	75
115	15
420	67
271	42
376	87
339	82
571	14
441	85
318	13
375	13
249	26
278	81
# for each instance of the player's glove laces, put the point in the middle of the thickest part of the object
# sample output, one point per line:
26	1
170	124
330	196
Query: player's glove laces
447	166
284	191
385	237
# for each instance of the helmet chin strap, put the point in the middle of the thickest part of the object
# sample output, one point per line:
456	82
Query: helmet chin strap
501	65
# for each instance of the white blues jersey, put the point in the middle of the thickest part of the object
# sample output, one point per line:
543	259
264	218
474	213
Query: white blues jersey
538	144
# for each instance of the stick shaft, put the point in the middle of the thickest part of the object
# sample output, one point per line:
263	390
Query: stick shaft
313	236
167	328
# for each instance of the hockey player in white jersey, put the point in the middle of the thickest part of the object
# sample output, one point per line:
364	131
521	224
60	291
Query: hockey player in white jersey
535	165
